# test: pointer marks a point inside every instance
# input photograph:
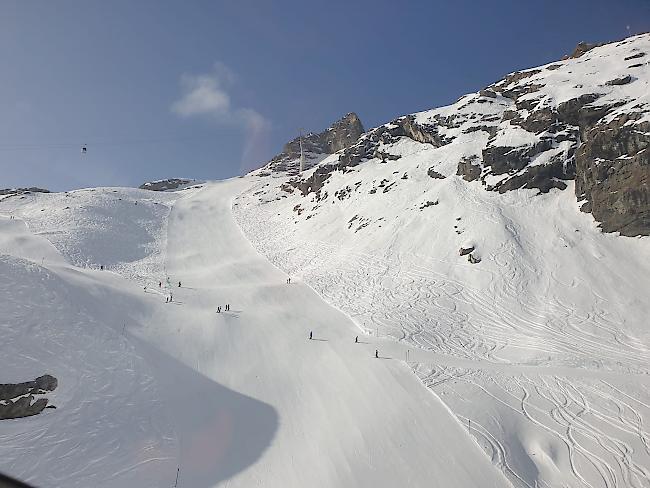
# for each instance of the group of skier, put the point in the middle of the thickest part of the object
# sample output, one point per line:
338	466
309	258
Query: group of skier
356	341
225	309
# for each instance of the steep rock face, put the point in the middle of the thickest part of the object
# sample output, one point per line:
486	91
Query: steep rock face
613	175
340	135
584	118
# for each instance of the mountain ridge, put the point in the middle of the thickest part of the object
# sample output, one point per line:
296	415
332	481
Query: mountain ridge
585	118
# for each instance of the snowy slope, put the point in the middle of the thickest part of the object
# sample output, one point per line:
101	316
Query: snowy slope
544	344
522	363
241	398
110	427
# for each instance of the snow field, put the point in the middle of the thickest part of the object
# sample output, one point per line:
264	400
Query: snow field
536	301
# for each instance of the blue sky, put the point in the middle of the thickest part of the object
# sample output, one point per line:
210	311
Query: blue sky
209	89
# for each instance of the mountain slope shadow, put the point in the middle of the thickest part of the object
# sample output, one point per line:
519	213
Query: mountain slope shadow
221	432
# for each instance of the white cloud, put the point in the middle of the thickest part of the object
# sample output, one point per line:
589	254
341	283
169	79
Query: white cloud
202	95
207	95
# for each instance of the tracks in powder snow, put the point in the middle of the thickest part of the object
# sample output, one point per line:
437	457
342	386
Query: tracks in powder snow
572	416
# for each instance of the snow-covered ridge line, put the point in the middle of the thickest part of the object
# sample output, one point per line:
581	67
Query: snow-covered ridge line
537	337
585	118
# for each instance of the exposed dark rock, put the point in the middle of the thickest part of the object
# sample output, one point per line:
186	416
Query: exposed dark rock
473	259
505	159
541	177
623	80
22	191
384	156
575	139
613	174
581	48
434	174
166	185
634	56
490	129
463	251
16	398
469	170
429	203
340	135
487	93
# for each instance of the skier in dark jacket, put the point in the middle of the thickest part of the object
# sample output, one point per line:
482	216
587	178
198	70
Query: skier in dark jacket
376	353
311	335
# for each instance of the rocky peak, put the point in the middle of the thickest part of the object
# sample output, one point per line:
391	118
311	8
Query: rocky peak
586	118
340	135
581	49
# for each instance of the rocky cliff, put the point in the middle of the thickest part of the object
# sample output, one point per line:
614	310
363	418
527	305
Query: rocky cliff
585	118
340	135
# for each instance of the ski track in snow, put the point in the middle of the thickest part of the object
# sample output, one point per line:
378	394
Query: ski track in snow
595	427
502	356
46	330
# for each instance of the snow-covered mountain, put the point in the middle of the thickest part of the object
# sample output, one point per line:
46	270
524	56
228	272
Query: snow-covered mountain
586	118
496	233
473	280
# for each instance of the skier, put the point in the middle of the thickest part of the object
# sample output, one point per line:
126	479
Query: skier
179	284
376	353
145	289
310	335
171	297
101	267
219	309
356	340
166	299
160	284
228	307
288	281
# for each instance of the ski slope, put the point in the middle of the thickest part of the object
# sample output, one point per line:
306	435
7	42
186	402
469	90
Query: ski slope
240	398
543	345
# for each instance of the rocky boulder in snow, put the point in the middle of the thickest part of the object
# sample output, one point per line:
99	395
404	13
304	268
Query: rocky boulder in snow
16	398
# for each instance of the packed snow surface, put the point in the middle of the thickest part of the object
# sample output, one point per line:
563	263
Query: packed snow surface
237	398
528	322
543	345
512	334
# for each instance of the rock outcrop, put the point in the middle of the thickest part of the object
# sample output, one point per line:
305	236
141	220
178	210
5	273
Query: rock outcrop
168	184
17	399
340	135
22	191
586	118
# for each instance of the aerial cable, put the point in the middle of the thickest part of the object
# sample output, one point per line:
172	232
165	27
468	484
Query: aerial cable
100	142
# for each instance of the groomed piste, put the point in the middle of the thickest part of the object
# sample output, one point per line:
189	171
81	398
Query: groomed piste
150	389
